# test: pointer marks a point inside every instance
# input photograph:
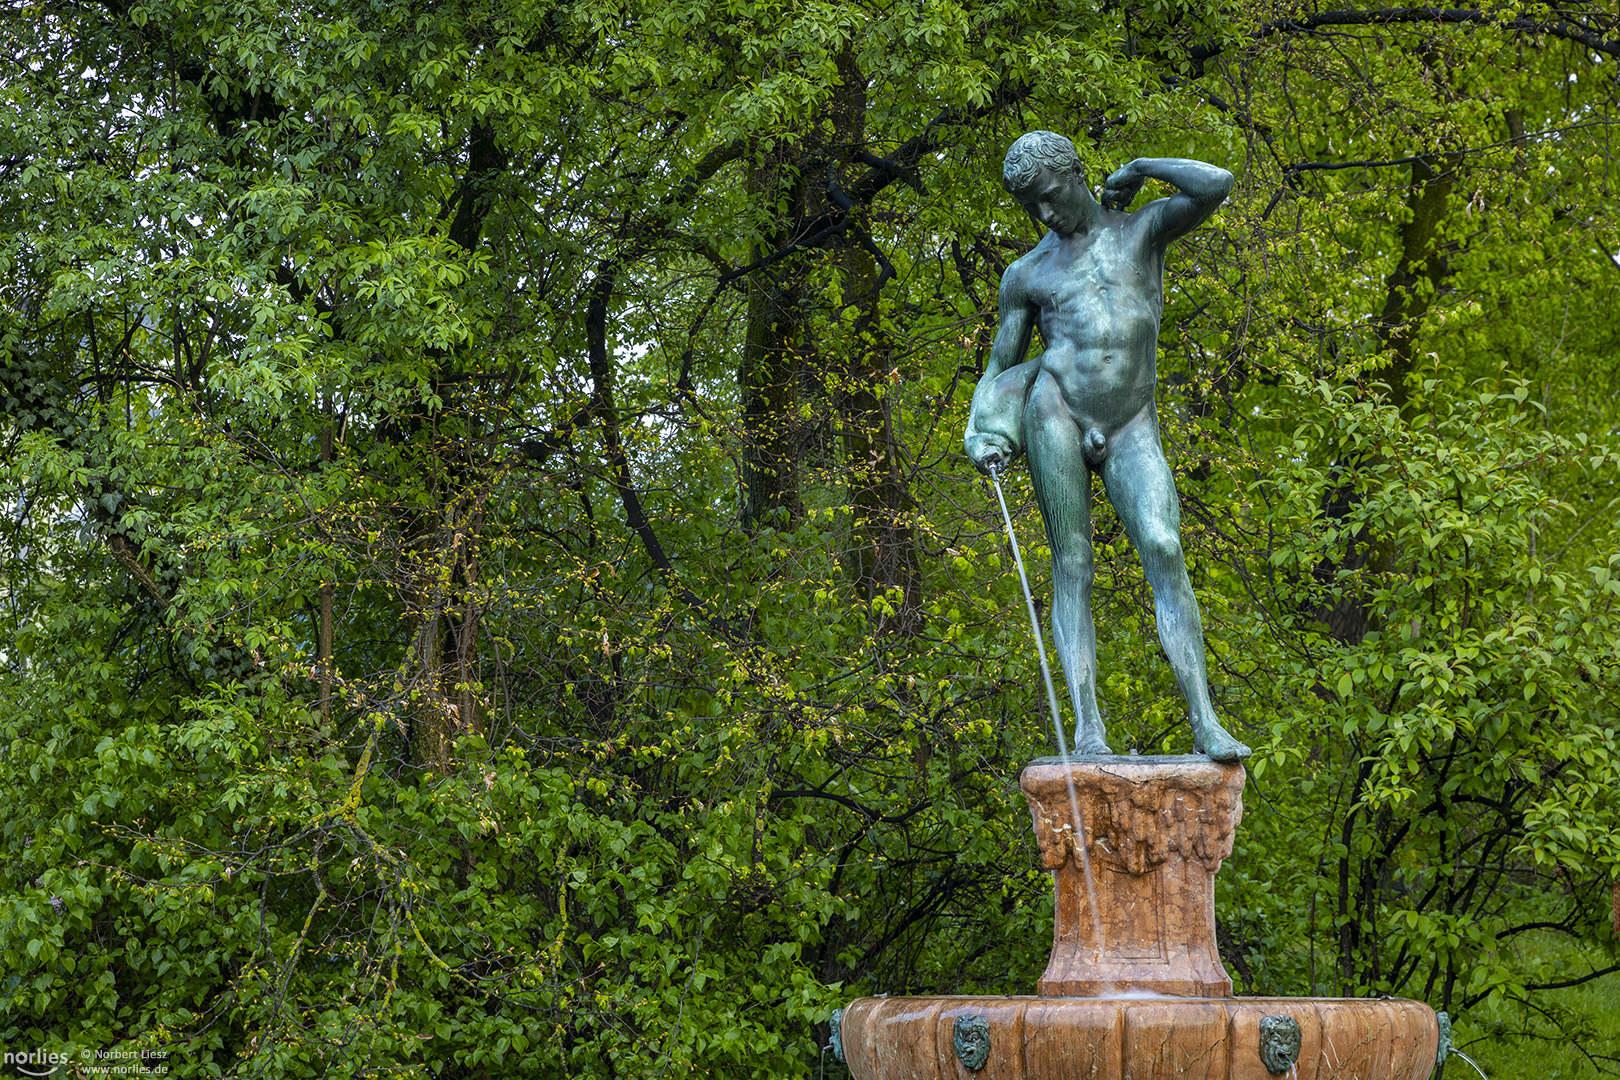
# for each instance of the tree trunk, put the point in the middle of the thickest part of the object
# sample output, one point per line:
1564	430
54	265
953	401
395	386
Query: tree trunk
444	652
883	548
1416	278
1410	291
768	373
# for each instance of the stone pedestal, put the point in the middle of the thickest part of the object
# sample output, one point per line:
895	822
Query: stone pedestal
1135	989
1155	831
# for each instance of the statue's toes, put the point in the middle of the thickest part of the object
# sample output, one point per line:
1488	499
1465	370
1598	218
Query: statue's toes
1220	746
1085	744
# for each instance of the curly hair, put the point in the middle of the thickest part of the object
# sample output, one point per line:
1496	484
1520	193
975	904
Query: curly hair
1036	151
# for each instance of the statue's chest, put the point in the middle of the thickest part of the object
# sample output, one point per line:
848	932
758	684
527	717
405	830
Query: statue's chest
1098	274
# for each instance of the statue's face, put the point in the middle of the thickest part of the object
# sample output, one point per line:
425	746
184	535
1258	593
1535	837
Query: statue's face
971	1036
1054	200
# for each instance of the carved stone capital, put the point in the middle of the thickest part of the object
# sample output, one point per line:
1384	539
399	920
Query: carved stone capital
1138	812
1135	905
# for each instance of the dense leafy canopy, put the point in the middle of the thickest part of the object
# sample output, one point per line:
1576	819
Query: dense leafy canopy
491	583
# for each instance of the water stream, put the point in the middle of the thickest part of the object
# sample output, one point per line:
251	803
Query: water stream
1080	845
1454	1052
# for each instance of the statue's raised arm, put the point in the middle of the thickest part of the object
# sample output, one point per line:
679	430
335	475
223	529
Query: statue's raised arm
1200	190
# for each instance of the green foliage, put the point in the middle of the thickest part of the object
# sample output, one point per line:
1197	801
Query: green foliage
1465	741
491	587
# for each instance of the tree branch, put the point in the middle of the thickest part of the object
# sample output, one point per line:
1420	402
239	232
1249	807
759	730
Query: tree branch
1610	970
844	800
129	557
1308	23
906	157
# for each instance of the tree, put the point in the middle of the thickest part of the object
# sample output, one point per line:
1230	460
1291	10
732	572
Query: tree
1457	691
495	587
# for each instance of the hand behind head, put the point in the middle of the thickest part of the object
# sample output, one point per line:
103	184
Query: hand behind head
1120	189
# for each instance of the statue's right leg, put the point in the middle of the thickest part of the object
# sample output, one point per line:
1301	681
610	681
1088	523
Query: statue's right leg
1062	480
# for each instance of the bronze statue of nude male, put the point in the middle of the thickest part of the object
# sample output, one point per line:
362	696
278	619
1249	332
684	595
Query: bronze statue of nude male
1094	286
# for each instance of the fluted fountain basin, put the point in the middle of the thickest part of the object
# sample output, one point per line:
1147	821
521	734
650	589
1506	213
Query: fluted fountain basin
1146	1037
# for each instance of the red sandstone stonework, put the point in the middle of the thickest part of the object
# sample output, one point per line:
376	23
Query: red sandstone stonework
1134	989
1156	830
1044	1038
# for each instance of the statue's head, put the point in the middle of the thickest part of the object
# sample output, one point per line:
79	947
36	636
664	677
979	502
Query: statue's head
1036	151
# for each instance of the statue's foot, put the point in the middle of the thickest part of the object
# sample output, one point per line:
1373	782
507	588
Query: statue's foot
1088	739
1216	742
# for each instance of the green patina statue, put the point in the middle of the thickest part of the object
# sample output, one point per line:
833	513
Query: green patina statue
1094	287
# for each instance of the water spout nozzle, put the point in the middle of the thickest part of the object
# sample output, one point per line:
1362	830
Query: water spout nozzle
1280	1039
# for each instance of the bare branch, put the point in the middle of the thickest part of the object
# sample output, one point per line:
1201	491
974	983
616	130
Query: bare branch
1308	23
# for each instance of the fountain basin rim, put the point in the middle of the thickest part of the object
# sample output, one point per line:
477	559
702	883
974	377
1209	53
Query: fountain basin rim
1033	1037
1128	759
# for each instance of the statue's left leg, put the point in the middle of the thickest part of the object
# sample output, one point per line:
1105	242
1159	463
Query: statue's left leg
1143	492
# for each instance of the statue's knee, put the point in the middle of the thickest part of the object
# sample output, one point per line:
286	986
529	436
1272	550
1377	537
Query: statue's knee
1073	564
1162	549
